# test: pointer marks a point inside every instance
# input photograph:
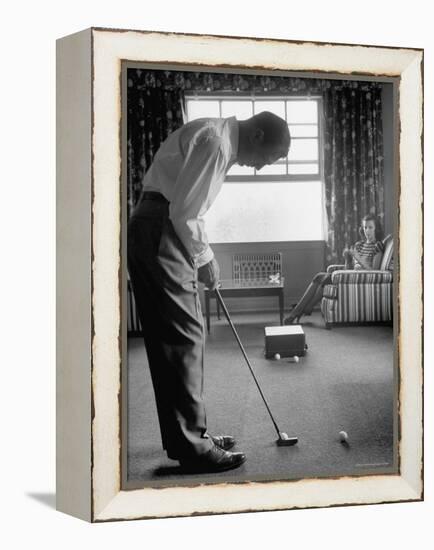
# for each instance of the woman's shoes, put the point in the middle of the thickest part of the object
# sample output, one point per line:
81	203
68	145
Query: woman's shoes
292	319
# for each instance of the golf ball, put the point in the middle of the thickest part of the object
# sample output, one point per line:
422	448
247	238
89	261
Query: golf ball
296	358
343	437
277	356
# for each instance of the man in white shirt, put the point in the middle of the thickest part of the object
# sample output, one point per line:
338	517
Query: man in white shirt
168	253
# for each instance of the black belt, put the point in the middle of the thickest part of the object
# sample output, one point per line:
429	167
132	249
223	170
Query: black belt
154	196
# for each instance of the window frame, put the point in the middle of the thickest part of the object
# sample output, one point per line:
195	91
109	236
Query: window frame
257	177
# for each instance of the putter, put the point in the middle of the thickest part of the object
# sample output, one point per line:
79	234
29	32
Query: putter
283	439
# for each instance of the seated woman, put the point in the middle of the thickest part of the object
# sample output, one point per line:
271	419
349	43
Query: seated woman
362	255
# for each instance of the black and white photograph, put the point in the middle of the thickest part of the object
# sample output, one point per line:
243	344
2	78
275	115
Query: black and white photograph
260	257
217	301
239	281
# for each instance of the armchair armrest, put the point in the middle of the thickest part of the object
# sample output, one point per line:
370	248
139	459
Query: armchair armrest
356	276
335	267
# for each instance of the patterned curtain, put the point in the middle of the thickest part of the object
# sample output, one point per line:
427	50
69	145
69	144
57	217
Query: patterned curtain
154	111
353	161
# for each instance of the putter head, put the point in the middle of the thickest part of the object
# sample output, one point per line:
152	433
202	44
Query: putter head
286	441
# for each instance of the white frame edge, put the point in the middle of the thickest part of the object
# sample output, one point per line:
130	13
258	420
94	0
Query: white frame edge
110	47
73	274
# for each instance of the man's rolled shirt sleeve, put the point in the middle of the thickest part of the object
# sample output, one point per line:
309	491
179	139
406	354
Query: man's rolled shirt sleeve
203	166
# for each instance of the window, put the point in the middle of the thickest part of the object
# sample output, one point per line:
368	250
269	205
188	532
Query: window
246	209
303	117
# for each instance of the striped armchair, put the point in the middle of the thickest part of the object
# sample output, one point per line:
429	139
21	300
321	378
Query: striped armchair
360	296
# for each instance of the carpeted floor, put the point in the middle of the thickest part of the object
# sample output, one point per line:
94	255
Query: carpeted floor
345	382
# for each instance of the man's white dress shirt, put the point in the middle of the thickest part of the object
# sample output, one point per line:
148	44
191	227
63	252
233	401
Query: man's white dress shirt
189	170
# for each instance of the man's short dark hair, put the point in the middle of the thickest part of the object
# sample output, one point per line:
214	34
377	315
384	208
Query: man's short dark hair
275	129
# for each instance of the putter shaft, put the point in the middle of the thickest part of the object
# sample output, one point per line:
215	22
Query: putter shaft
282	441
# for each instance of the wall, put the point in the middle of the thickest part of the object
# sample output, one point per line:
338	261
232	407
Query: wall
301	260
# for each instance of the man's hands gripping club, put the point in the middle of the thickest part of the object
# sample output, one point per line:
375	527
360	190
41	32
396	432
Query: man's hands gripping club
209	274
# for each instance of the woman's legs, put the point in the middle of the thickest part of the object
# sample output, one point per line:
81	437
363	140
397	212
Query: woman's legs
310	298
317	297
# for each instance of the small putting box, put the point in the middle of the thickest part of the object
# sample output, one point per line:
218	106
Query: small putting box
287	341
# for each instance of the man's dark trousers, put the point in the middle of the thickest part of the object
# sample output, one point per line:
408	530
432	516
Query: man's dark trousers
164	281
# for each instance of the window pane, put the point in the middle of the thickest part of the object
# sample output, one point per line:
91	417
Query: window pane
305	130
303	168
302	111
240	109
277	107
272	169
237	170
269	211
197	108
302	118
303	149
